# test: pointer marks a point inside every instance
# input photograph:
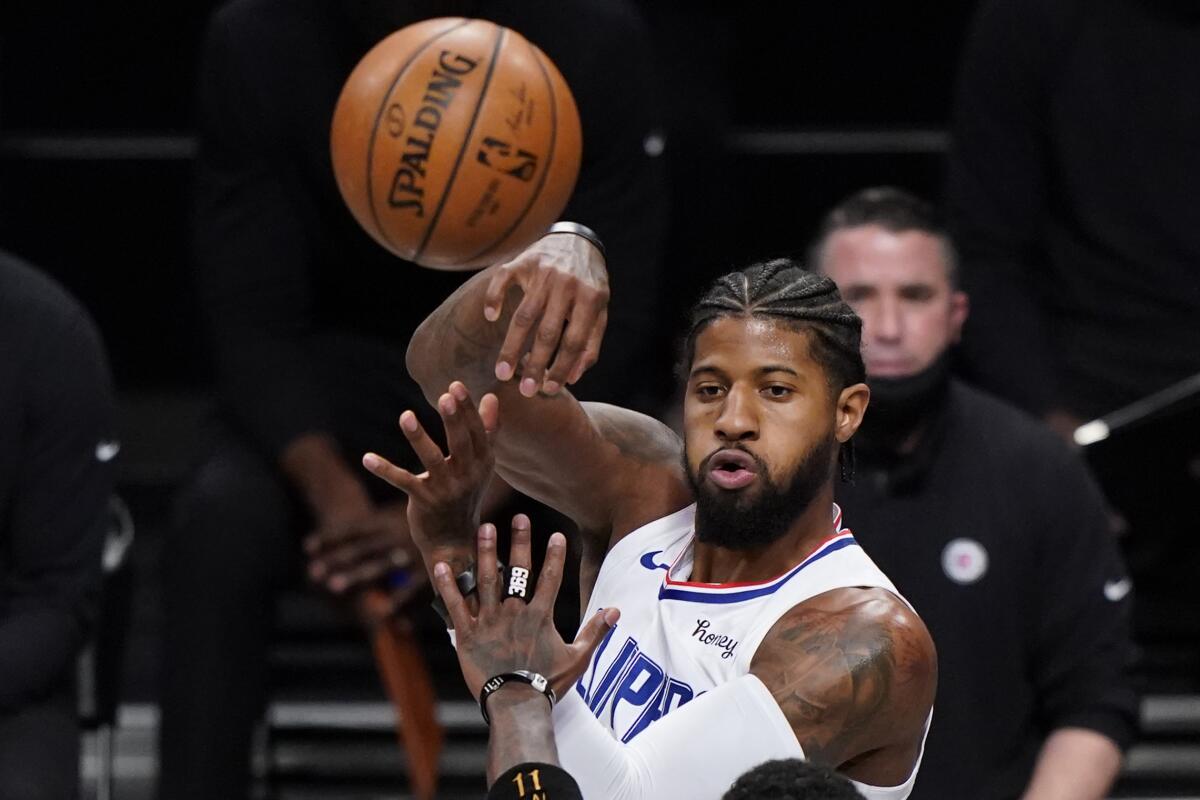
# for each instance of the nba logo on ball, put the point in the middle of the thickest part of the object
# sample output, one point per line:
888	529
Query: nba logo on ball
964	561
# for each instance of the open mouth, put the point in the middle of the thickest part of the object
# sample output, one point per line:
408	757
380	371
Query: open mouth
732	469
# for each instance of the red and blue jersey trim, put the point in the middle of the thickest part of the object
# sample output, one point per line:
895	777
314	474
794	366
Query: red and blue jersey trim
737	592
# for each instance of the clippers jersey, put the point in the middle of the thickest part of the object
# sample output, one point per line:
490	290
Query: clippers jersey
677	639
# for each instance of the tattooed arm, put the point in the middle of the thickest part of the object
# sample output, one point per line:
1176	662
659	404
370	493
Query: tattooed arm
854	671
609	469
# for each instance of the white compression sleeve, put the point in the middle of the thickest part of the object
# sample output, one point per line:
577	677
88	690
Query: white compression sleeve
693	753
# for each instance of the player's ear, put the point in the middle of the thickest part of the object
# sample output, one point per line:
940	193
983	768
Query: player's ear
851	405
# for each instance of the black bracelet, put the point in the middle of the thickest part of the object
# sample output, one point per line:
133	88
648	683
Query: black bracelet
537	681
467	583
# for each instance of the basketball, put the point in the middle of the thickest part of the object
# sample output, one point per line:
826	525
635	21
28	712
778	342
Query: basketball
455	143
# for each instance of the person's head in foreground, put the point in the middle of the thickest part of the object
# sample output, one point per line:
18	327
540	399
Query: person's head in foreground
791	779
896	266
774	392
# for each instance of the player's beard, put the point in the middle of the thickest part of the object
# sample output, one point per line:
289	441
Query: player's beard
740	520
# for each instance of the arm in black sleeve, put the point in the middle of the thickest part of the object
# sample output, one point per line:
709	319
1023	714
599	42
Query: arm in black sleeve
535	780
1083	655
54	530
997	197
621	194
251	249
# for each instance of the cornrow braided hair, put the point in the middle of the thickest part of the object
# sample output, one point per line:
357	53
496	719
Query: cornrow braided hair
781	288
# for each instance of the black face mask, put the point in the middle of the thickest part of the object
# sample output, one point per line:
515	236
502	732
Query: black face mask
900	405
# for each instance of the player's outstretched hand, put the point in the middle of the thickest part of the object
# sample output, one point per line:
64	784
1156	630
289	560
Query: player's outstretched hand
513	630
564	309
444	501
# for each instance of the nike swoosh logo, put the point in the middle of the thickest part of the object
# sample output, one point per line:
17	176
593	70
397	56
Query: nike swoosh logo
1116	590
648	561
107	450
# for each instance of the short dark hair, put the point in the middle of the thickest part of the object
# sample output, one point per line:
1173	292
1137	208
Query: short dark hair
892	209
792	779
783	289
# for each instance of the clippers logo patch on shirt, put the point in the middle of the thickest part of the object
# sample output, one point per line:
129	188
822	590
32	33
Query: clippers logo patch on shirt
627	689
964	561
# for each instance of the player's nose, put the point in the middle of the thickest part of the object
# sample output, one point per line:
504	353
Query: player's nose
738	420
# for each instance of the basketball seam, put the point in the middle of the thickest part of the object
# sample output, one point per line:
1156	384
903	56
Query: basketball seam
379	117
537	192
487	80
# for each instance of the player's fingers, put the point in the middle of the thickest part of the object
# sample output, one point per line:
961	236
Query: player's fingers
520	560
447	589
550	579
546	337
399	477
459	444
489	414
493	298
588	305
593	633
591	353
471	420
426	449
528	312
486	568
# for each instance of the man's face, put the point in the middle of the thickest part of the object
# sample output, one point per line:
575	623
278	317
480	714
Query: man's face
761	429
898	283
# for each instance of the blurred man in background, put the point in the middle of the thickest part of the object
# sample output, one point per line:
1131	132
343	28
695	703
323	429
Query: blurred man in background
987	523
309	320
56	452
1072	199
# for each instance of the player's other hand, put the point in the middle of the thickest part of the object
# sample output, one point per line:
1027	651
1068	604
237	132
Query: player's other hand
561	315
444	501
508	632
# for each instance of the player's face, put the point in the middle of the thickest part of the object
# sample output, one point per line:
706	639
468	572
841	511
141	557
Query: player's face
759	427
898	284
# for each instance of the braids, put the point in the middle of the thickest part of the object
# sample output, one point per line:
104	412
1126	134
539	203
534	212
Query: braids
782	289
803	300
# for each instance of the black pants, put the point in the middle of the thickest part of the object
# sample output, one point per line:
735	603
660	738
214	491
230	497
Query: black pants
234	545
39	750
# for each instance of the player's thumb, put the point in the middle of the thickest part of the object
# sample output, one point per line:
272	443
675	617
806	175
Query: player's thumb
594	631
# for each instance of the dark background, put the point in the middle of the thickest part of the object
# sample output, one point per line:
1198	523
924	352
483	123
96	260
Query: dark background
775	112
96	119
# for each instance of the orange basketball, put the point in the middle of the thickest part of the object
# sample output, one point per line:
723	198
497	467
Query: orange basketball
455	143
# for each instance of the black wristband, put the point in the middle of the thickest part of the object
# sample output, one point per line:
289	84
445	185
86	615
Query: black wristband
467	582
535	779
537	681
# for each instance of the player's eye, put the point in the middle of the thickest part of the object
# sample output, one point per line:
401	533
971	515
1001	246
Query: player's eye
709	391
777	392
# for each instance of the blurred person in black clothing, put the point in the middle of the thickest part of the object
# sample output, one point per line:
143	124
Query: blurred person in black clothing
1073	203
1072	199
988	524
56	452
309	320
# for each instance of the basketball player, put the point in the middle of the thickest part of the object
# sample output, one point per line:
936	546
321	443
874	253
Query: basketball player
752	625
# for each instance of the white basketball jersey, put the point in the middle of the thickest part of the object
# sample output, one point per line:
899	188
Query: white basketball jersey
677	639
